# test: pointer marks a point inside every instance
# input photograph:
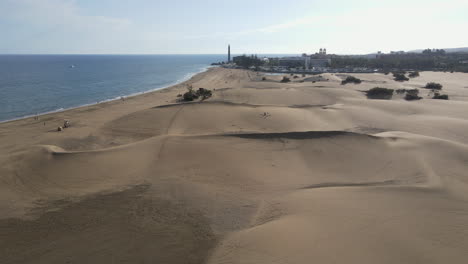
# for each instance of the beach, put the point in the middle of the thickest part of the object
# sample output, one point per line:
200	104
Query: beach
309	171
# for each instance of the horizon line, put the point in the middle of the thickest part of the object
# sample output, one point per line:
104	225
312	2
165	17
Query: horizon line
136	53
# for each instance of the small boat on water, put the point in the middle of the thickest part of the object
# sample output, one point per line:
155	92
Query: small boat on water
72	66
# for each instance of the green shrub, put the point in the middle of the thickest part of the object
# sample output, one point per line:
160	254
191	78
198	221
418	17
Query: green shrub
204	93
351	79
191	95
401	91
412	95
433	86
413	74
440	96
400	77
379	93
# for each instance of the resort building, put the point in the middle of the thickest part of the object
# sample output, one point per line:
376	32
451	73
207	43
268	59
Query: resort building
317	60
293	62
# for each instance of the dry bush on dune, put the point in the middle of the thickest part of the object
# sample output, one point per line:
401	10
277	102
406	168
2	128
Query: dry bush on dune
285	79
204	93
400	77
191	95
380	93
412	95
433	86
440	96
413	74
351	79
401	91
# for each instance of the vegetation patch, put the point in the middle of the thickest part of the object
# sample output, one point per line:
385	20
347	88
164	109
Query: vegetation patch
412	95
401	91
440	96
413	74
351	79
400	77
202	93
380	93
285	79
247	61
433	86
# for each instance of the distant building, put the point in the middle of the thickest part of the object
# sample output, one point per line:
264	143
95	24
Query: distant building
303	62
322	52
229	53
319	62
292	62
378	55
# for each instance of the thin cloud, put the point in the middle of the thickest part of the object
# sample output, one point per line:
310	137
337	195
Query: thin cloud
290	24
55	13
265	30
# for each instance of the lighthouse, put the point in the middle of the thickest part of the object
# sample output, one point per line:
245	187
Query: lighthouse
229	53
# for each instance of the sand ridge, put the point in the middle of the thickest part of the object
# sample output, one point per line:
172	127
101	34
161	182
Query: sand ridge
262	172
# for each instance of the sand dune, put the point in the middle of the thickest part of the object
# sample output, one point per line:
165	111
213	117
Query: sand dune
262	172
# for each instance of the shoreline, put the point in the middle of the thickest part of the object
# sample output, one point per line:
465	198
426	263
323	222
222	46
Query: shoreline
186	78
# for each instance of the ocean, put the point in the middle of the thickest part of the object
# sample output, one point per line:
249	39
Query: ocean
37	84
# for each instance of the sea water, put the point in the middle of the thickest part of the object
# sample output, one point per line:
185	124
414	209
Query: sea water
35	84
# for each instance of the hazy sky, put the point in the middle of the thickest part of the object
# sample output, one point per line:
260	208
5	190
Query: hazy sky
250	26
